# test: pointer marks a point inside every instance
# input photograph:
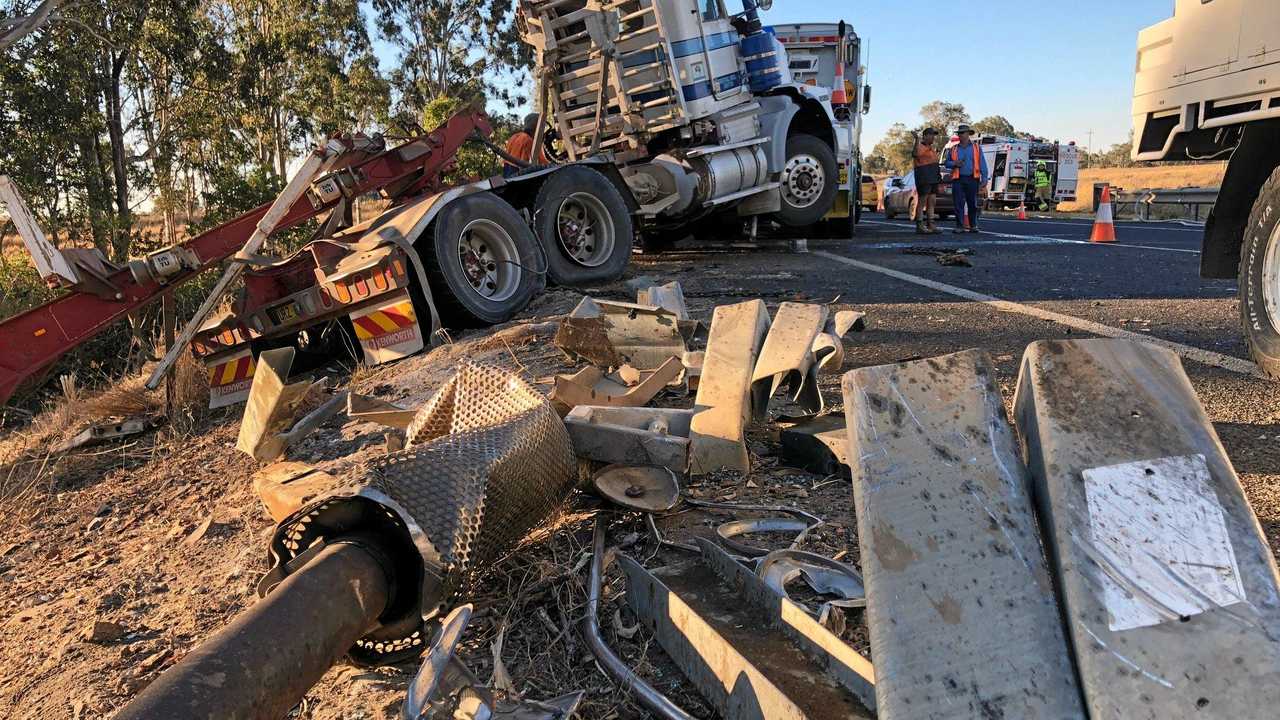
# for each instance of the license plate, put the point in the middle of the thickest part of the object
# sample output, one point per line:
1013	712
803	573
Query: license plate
844	176
284	314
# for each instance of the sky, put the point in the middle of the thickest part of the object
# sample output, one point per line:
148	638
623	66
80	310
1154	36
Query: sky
1056	69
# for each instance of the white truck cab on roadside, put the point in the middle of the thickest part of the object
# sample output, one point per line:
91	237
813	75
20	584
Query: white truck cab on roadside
1207	87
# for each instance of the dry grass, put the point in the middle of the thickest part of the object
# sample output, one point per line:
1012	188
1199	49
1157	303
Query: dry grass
1137	178
28	463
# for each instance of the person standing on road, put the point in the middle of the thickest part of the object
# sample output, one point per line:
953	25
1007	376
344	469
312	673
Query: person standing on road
928	176
968	172
1043	192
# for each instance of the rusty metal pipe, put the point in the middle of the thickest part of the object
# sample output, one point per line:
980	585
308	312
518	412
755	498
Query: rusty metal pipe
263	663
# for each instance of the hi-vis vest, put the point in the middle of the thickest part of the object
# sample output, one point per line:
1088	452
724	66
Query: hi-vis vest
955	160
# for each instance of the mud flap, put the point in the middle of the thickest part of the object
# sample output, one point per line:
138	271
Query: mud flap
960	608
1168	587
389	330
230	377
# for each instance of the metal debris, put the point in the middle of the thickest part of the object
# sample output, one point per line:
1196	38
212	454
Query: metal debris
284	487
745	670
947	537
817	445
729	531
272	405
824	575
1161	565
669	297
775	609
445	689
645	693
646	488
787	357
611	334
371	409
104	431
631	436
828	350
590	386
724	399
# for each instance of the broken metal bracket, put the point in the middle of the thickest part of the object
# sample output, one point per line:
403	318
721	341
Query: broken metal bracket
787	357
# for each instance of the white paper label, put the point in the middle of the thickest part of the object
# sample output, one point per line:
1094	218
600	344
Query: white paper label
1163	542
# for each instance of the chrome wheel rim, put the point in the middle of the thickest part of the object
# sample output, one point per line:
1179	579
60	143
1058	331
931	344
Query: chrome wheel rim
585	230
1271	278
487	256
802	180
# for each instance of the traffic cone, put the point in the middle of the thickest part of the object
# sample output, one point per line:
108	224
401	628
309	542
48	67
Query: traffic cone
1022	211
838	96
1104	228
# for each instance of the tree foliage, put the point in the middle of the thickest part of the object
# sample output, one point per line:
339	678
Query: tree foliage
995	125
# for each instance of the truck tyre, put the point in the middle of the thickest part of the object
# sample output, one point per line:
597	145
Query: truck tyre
584	226
1259	286
481	259
808	181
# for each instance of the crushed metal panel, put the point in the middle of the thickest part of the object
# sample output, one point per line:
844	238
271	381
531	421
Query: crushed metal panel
631	436
612	334
828	350
960	608
591	387
817	445
272	405
787	356
727	670
284	487
724	399
364	407
1113	428
842	662
669	297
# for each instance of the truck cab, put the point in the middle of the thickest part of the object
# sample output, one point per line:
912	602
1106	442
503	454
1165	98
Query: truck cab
1207	87
813	51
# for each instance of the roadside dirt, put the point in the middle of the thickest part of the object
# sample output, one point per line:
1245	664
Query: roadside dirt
115	570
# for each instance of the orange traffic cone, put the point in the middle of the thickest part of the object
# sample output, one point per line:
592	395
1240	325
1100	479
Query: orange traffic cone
1104	228
1022	211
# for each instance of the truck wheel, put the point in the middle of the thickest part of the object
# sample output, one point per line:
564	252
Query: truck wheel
482	261
584	226
1260	279
808	181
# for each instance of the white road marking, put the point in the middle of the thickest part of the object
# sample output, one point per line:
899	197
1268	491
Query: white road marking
1206	357
1087	223
965	244
1067	241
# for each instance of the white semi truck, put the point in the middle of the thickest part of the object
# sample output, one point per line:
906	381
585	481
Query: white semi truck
695	106
1207	87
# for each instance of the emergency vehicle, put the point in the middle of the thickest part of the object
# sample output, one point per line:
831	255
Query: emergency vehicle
1012	163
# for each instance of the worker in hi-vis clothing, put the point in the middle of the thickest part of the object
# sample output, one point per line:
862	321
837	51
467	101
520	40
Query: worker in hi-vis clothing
1043	183
969	172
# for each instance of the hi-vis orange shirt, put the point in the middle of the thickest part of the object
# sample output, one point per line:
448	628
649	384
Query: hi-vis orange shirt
955	161
925	155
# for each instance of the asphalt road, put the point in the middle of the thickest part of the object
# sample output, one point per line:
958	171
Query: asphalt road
1029	280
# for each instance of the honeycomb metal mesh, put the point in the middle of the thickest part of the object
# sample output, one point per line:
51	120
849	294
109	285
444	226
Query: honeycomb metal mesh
486	461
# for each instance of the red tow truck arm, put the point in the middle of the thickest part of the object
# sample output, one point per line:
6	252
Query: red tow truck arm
33	340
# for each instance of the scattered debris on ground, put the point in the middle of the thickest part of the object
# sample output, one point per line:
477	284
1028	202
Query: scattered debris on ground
711	521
